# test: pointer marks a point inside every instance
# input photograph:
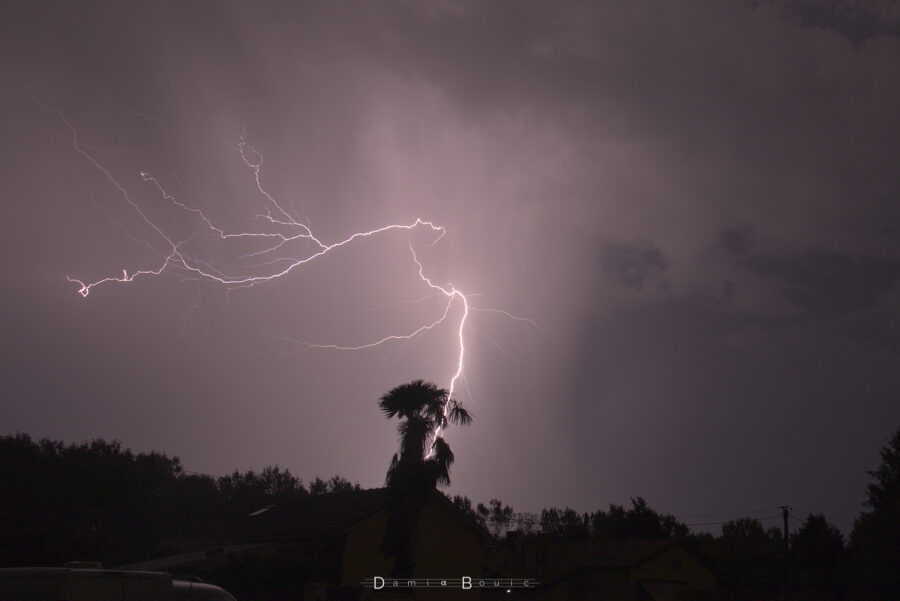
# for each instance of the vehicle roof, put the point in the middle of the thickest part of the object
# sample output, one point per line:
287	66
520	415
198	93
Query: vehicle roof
200	590
48	571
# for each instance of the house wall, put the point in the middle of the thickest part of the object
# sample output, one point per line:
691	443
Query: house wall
446	547
446	544
362	558
676	564
623	583
596	585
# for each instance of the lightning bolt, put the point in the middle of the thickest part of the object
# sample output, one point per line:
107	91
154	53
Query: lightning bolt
270	267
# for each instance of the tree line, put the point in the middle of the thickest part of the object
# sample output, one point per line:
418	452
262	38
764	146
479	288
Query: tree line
99	501
749	561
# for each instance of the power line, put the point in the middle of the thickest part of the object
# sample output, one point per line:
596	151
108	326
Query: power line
768	517
715	515
704	515
841	522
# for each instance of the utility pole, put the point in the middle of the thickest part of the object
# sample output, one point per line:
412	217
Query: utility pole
785	513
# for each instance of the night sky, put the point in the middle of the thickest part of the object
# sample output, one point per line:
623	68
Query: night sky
696	201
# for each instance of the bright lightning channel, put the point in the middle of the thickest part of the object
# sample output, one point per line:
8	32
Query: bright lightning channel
175	258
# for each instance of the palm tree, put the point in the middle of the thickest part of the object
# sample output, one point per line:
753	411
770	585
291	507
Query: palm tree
424	410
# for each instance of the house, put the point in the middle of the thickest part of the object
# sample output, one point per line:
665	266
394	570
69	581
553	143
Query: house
639	570
325	546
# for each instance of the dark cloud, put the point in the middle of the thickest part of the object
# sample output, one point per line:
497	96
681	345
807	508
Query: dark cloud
829	284
737	242
704	394
697	201
631	266
857	20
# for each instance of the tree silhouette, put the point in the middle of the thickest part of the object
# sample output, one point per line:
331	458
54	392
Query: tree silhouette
641	521
875	542
464	504
748	558
242	493
423	409
817	549
92	500
497	515
564	524
333	484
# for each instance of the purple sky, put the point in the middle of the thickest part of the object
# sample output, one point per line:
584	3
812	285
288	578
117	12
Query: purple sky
697	201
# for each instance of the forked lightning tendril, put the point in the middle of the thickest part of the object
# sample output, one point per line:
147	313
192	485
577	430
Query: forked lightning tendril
274	267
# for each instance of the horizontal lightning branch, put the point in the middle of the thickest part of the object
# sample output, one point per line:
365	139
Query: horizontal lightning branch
174	258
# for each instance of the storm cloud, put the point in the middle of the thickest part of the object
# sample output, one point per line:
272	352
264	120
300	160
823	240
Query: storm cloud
697	202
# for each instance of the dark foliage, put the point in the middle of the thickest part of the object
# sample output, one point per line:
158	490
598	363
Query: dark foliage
98	501
92	500
616	524
750	560
496	516
333	484
464	504
817	555
875	542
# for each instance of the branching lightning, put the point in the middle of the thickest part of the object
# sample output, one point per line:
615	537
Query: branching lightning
272	266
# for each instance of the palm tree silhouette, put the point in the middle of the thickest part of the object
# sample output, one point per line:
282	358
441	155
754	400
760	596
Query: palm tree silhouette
423	410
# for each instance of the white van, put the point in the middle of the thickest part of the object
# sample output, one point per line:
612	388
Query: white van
77	584
187	590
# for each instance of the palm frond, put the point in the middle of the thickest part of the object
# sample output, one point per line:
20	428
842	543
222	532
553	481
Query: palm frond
440	462
434	408
457	414
413	398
